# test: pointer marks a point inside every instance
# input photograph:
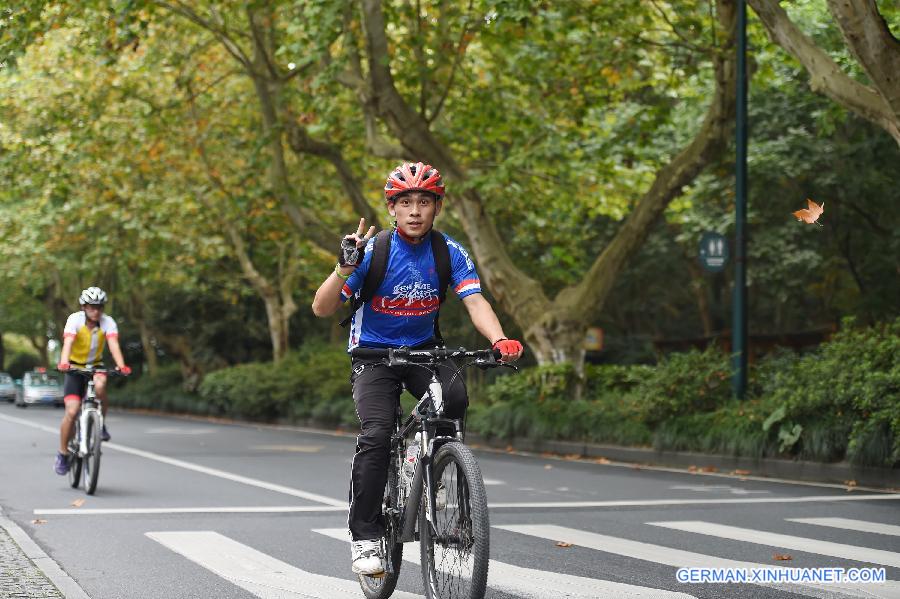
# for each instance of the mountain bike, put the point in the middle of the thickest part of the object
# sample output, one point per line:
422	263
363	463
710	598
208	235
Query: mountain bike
443	504
84	446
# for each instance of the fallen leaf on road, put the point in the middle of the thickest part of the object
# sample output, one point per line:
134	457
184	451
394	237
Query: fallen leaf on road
709	469
547	466
38	521
572	456
781	557
741	472
851	485
563	544
509	448
78	503
693	469
601	461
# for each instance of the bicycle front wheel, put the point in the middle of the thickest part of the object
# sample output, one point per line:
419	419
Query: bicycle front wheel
92	459
455	546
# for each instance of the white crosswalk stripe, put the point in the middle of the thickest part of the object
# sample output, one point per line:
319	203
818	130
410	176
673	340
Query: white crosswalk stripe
760	537
539	584
256	572
846	523
679	558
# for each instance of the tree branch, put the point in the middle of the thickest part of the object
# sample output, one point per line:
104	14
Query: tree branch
301	143
877	50
825	75
220	33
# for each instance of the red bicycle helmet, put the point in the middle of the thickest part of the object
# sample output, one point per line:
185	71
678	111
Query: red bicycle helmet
414	177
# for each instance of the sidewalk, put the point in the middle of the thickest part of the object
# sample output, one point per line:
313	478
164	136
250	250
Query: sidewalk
26	572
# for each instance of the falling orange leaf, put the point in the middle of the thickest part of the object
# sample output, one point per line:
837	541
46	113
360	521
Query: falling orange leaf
782	557
563	544
811	214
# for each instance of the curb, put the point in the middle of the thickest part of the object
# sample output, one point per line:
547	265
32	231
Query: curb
62	581
842	473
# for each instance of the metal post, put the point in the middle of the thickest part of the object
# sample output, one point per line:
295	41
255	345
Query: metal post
739	323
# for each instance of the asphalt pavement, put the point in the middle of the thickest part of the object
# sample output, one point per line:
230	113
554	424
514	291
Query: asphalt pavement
188	508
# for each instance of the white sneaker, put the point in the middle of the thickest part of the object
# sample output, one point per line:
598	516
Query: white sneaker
367	557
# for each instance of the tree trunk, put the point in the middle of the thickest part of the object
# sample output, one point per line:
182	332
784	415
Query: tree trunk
40	344
149	348
555	329
2	353
701	295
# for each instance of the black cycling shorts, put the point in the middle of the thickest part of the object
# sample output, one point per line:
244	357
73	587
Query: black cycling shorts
75	384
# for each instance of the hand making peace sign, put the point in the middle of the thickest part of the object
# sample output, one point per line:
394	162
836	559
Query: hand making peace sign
351	244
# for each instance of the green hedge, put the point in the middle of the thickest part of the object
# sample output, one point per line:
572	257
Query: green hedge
840	402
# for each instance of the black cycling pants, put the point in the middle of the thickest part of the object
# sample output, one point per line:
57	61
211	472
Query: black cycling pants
376	392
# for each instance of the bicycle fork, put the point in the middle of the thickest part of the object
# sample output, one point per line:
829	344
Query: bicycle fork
83	419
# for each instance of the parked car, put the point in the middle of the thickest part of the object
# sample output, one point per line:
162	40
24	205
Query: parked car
7	388
40	387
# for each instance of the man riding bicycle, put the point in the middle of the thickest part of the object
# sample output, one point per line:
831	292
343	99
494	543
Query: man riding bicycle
84	336
401	312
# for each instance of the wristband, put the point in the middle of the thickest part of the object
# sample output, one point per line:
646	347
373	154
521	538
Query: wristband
337	271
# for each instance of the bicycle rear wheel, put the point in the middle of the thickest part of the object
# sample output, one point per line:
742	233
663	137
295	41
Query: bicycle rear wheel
383	586
455	547
75	461
92	459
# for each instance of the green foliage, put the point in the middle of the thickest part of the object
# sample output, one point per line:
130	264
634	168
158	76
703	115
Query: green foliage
851	385
309	384
19	364
685	384
162	391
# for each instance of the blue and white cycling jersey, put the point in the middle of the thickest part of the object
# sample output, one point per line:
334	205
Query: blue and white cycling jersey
402	312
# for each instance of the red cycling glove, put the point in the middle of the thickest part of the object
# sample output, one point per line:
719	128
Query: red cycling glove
63	366
508	347
126	370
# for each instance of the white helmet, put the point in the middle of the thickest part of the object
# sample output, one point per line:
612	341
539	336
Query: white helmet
93	296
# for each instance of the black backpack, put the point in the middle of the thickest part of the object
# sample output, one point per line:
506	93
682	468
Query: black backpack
378	269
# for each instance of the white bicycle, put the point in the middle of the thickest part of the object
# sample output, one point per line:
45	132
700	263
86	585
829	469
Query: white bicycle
84	446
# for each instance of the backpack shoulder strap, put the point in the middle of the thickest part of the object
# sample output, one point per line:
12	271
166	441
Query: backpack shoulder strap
441	261
442	266
375	274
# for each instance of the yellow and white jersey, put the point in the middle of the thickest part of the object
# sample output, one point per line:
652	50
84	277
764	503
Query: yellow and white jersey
87	349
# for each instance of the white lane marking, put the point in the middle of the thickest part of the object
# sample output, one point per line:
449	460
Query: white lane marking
246	480
652	502
492	481
679	558
288	448
257	572
859	525
539	584
171	430
717	488
189	510
761	537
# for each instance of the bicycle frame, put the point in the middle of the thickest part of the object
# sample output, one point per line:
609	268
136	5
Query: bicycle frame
89	403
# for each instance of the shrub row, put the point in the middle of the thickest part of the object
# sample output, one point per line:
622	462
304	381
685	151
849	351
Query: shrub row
840	402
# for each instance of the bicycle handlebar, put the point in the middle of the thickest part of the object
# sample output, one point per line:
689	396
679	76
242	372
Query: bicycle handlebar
90	372
425	355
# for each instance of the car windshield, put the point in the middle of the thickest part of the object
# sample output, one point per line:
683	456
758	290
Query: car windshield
5	379
44	380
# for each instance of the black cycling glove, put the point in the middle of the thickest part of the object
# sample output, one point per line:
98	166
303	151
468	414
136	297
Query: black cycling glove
349	254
